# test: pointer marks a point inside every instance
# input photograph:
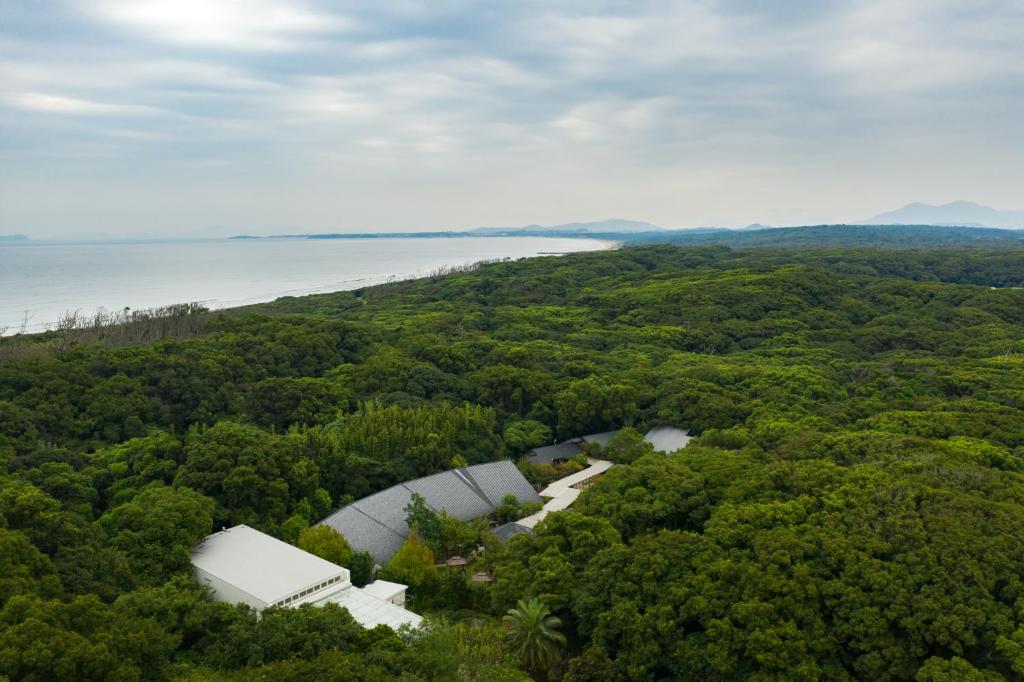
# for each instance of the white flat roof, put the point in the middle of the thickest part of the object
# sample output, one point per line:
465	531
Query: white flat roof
667	438
260	565
383	589
597	466
369	611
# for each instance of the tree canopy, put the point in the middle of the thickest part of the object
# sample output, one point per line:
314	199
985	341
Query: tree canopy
850	506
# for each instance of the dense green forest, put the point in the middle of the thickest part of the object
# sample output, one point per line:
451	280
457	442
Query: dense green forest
851	508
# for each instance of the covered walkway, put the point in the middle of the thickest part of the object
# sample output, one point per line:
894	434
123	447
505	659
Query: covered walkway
563	492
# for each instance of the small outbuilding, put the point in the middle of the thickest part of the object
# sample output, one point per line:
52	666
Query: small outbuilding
556	454
387	591
510	529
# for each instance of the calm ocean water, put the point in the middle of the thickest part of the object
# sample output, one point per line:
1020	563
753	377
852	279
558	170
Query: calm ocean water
45	280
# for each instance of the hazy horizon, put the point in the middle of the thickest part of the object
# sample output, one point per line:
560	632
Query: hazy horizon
211	118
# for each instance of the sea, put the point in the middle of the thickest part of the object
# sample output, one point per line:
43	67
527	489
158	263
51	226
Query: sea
42	281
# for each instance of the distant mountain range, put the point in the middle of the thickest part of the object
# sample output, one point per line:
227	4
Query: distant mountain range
962	213
13	238
612	225
957	214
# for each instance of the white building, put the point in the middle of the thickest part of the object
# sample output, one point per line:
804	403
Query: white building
241	565
388	591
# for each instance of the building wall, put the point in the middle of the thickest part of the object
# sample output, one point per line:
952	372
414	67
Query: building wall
222	591
313	592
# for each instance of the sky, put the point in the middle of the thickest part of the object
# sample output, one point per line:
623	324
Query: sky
220	117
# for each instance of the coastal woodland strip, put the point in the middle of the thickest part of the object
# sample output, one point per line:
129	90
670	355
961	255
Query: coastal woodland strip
851	507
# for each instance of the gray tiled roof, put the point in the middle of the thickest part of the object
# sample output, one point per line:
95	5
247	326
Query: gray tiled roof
549	453
498	479
363	532
509	529
450	492
388	507
377	525
600	438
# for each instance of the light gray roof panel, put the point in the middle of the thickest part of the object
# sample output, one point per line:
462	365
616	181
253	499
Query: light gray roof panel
377	524
363	532
667	438
388	507
370	611
260	565
450	492
497	479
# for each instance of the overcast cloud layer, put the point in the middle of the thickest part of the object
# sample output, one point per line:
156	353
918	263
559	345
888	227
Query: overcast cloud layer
224	116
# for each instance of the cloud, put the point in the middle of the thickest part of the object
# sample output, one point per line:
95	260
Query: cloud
219	24
684	112
59	104
889	48
119	74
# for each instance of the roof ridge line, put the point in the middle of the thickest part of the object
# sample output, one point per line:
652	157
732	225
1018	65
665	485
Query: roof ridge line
473	485
413	492
354	504
381	523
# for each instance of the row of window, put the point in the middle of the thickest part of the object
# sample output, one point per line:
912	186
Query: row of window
315	588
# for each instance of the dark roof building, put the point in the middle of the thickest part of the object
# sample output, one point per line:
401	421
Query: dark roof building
504	532
555	454
377	524
600	438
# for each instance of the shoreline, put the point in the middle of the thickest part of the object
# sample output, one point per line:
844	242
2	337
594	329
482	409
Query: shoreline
226	304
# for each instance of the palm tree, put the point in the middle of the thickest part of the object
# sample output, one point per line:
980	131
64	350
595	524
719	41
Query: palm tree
535	634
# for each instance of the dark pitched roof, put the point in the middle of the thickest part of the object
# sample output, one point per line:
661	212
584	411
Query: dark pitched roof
550	453
600	438
377	524
504	532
